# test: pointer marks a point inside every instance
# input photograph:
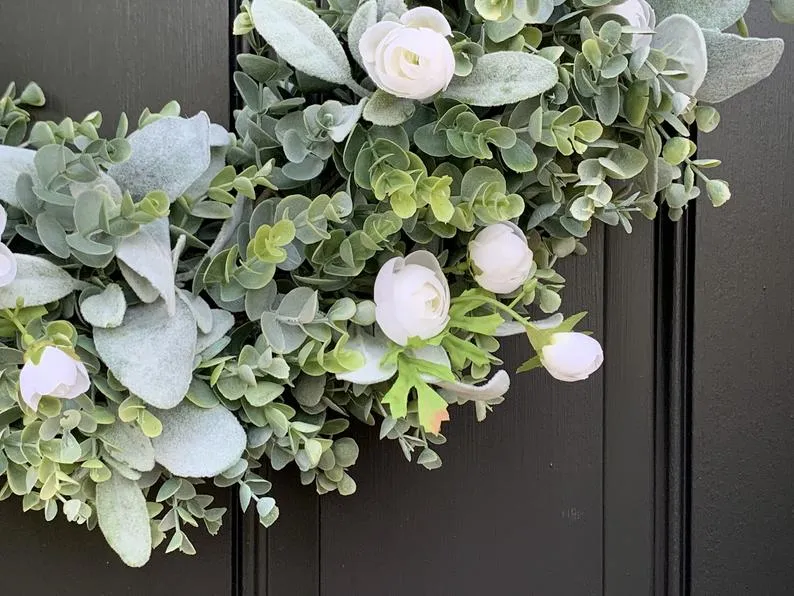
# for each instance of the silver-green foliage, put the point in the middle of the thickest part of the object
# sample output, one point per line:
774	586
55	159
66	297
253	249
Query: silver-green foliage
219	287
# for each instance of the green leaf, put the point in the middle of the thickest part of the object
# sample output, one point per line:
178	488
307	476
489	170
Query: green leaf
128	444
783	10
302	39
737	63
168	154
374	350
13	162
366	16
124	519
105	309
682	41
624	162
386	110
198	442
151	352
148	255
37	282
709	14
503	78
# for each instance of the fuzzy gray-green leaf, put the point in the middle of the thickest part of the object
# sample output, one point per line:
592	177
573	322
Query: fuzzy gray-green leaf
198	442
151	352
503	78
124	519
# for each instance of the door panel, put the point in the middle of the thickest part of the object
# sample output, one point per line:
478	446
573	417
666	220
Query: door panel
743	437
91	55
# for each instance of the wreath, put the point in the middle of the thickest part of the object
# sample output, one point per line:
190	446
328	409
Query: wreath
181	304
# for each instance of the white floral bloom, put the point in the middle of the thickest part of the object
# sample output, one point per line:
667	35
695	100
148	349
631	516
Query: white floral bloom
411	298
410	58
638	14
8	266
57	374
572	356
501	258
8	262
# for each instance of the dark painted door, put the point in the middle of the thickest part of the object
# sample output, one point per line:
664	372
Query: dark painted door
668	472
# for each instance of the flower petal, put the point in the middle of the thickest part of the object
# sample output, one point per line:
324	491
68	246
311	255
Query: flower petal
427	17
8	266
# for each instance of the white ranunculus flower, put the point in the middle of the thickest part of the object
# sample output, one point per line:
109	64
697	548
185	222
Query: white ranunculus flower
571	356
8	266
501	258
411	297
639	14
8	262
410	57
57	374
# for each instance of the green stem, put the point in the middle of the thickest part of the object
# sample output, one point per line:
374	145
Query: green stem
11	315
741	25
358	89
496	304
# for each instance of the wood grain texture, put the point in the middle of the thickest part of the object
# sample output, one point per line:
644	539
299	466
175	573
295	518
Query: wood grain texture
119	55
517	506
109	55
629	421
743	438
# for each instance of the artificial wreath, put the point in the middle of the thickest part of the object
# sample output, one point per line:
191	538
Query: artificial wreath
181	303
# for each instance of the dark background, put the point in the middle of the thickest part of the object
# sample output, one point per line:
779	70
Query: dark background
668	472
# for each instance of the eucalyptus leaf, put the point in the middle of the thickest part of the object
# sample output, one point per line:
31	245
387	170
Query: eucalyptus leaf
105	309
374	370
127	443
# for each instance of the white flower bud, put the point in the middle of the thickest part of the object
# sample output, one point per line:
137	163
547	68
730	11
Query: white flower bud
571	356
57	374
411	298
501	259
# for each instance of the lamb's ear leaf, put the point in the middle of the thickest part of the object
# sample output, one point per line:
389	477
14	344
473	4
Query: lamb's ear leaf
737	63
302	39
127	443
151	352
169	155
709	14
124	519
148	254
503	78
38	282
365	16
198	442
13	162
384	109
